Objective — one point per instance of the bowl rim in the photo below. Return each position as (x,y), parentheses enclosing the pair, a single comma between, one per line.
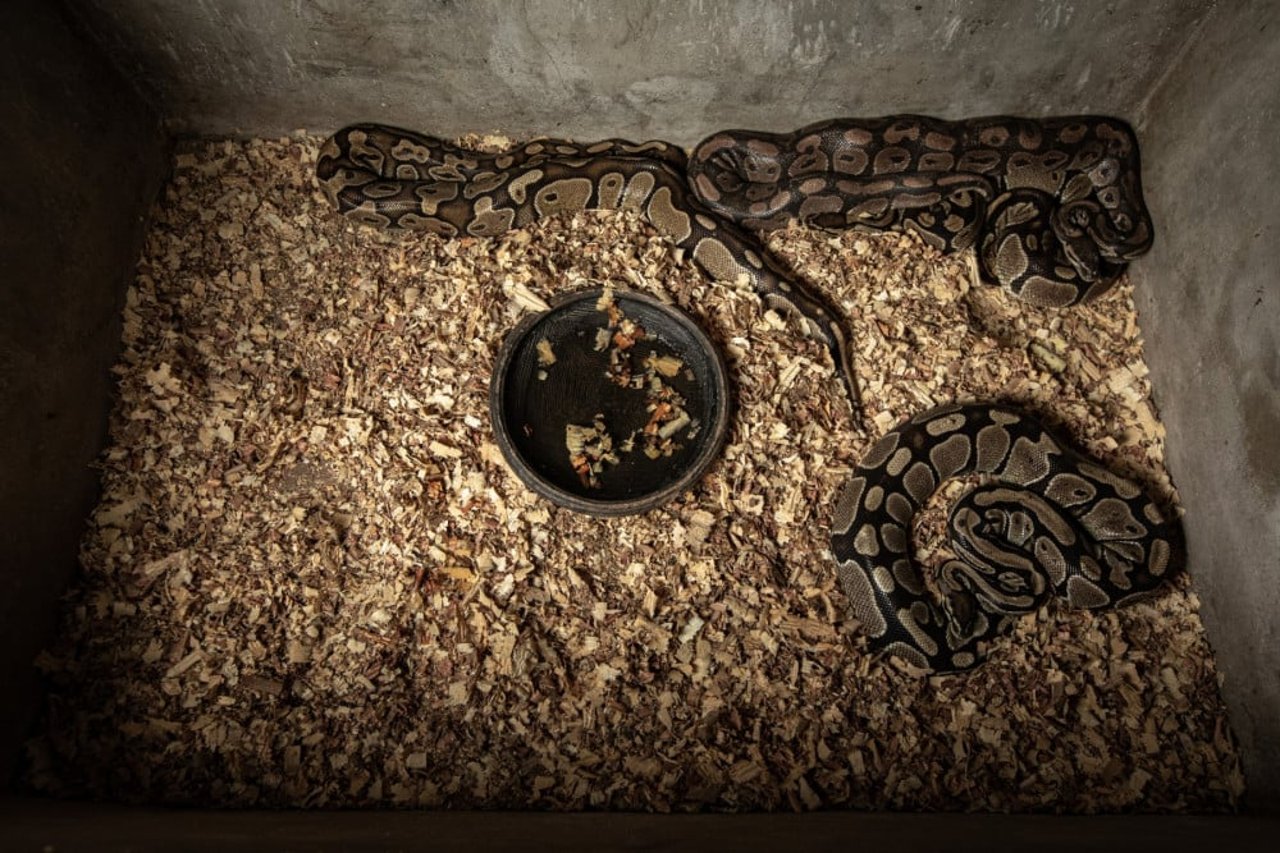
(716,430)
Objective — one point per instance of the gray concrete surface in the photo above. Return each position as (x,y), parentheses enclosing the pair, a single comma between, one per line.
(1209,302)
(82,160)
(673,69)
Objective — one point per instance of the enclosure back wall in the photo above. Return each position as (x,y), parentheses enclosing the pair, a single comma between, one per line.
(680,70)
(672,69)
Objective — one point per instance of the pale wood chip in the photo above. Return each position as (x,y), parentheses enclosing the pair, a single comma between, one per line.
(313,582)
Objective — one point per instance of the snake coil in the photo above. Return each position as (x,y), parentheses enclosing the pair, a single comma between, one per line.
(1054,206)
(1052,523)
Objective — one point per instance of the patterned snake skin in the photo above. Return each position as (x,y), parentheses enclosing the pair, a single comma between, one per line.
(1055,205)
(396,178)
(1052,523)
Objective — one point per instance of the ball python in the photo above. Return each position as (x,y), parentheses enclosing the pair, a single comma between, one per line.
(397,178)
(1049,522)
(1054,205)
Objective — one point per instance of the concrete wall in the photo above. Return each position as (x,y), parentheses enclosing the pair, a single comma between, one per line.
(1210,308)
(674,69)
(82,160)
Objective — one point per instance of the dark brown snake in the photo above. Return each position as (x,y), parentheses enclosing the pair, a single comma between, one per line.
(1053,522)
(1055,208)
(396,178)
(1054,205)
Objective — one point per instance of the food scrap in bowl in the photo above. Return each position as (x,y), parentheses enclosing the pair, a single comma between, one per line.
(591,447)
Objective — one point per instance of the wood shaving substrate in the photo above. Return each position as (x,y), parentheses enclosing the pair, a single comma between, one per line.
(312,581)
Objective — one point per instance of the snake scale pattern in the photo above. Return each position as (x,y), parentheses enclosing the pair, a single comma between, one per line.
(397,178)
(1051,522)
(1055,210)
(1055,206)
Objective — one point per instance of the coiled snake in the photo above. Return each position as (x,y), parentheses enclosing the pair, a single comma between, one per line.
(1054,523)
(1054,205)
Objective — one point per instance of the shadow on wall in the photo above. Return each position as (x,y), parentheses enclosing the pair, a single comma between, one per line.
(84,160)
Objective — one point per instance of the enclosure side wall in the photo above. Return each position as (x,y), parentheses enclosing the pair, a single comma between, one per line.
(83,157)
(672,69)
(1210,307)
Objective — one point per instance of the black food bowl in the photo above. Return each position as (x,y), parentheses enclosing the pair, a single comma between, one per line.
(610,403)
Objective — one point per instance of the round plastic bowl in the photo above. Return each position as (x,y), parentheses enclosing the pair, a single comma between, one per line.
(553,383)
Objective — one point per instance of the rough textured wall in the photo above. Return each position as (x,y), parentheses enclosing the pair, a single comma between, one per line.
(1209,298)
(83,159)
(674,69)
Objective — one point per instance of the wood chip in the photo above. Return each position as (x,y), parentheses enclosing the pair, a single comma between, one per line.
(312,582)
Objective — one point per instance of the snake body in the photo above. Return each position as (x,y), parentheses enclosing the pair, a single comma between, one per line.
(397,178)
(1054,205)
(1052,522)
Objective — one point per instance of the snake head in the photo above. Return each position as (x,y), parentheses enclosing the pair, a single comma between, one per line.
(1103,204)
(736,167)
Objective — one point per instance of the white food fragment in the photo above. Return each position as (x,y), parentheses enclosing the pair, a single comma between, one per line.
(672,427)
(546,355)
